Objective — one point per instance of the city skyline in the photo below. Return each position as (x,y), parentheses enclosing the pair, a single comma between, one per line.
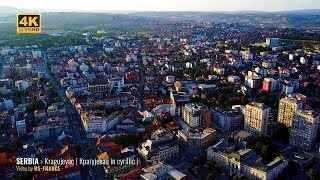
(164,5)
(139,89)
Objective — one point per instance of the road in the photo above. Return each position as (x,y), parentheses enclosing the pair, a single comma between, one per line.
(141,81)
(76,126)
(1,65)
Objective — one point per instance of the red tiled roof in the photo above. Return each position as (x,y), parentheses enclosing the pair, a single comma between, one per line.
(105,139)
(173,125)
(3,158)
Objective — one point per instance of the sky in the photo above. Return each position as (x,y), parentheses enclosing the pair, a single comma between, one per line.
(164,5)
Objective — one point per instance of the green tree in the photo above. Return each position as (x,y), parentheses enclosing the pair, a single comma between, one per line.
(14,145)
(266,149)
(210,176)
(282,134)
(99,107)
(78,149)
(130,139)
(35,105)
(90,150)
(167,118)
(2,148)
(196,170)
(200,80)
(43,80)
(57,99)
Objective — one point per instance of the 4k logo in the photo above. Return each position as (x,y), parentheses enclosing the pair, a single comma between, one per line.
(27,23)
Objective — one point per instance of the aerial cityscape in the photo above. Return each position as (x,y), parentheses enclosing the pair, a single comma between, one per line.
(198,91)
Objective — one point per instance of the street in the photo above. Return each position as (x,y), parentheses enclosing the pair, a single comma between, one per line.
(90,172)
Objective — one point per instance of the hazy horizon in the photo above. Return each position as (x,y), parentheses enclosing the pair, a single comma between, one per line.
(163,5)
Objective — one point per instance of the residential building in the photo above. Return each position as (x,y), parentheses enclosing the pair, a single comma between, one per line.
(6,103)
(303,60)
(158,152)
(96,122)
(147,116)
(299,96)
(116,170)
(21,127)
(22,85)
(256,117)
(38,114)
(170,79)
(227,118)
(219,70)
(272,42)
(234,79)
(304,129)
(246,55)
(196,114)
(116,83)
(132,76)
(291,57)
(84,67)
(103,87)
(262,72)
(287,107)
(162,108)
(161,146)
(190,65)
(56,109)
(290,87)
(46,131)
(179,99)
(36,54)
(269,64)
(195,138)
(42,74)
(270,84)
(253,82)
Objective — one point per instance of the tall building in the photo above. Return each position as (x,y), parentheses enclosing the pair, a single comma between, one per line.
(287,107)
(269,84)
(234,79)
(253,82)
(21,127)
(196,114)
(36,54)
(227,118)
(272,42)
(256,117)
(219,70)
(304,129)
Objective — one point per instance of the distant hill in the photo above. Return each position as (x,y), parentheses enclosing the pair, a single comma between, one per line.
(80,20)
(296,18)
(308,18)
(186,13)
(302,12)
(6,10)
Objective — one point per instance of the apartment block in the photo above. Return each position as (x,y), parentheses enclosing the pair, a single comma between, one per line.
(256,117)
(304,129)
